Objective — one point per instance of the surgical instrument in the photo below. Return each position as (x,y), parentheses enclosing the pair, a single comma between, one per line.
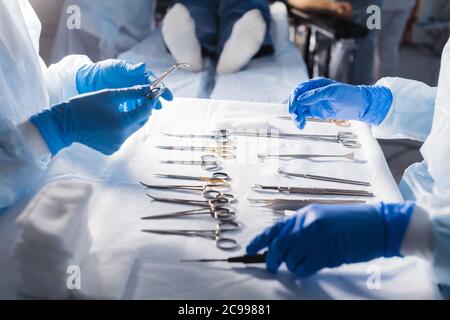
(207,162)
(220,213)
(217,177)
(315,191)
(258,259)
(340,123)
(211,203)
(223,151)
(295,204)
(221,137)
(323,178)
(209,193)
(157,87)
(222,243)
(208,187)
(347,139)
(289,157)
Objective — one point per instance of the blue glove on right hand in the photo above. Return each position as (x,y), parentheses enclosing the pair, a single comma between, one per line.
(326,236)
(327,99)
(102,120)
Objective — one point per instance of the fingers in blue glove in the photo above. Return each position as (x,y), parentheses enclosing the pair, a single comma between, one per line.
(304,88)
(280,247)
(265,239)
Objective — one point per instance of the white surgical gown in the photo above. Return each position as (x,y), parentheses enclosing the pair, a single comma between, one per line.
(26,87)
(422,113)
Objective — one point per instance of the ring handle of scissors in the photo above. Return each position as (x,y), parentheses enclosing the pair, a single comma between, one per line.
(211,163)
(218,183)
(353,144)
(224,215)
(225,153)
(226,244)
(221,175)
(156,92)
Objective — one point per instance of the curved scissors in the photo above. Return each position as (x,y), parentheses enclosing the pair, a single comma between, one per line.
(224,151)
(207,162)
(157,87)
(216,179)
(221,214)
(222,243)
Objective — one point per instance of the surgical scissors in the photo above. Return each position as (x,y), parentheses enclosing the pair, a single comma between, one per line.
(157,87)
(207,162)
(222,243)
(289,157)
(347,139)
(218,201)
(223,151)
(315,191)
(217,178)
(221,137)
(322,178)
(220,213)
(208,192)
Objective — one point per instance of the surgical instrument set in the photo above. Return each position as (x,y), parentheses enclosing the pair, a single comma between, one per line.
(289,157)
(258,259)
(222,151)
(207,162)
(157,87)
(315,191)
(323,178)
(216,235)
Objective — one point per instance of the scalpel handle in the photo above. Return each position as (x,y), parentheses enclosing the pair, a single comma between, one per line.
(260,258)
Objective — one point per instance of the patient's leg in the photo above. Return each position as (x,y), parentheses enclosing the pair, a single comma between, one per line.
(179,34)
(244,31)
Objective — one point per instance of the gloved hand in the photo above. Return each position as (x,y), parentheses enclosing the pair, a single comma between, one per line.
(327,99)
(114,74)
(102,120)
(326,236)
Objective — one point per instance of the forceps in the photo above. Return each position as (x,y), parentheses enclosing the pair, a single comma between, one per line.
(207,162)
(220,213)
(223,151)
(339,123)
(295,204)
(222,243)
(322,178)
(316,191)
(221,137)
(217,178)
(216,202)
(157,87)
(347,139)
(289,157)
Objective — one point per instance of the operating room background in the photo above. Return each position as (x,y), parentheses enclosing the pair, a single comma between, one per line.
(418,62)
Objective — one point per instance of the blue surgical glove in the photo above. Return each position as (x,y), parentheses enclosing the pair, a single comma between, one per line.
(102,120)
(114,74)
(327,236)
(327,99)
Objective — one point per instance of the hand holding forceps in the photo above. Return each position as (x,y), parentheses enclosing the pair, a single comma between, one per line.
(157,87)
(222,151)
(207,162)
(222,243)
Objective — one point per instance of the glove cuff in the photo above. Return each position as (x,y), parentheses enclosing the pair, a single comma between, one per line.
(83,79)
(51,129)
(379,101)
(396,218)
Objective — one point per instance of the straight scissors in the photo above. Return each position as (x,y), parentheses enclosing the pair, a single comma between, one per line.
(221,214)
(222,243)
(157,87)
(207,162)
(221,137)
(223,151)
(217,178)
(208,192)
(289,157)
(339,123)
